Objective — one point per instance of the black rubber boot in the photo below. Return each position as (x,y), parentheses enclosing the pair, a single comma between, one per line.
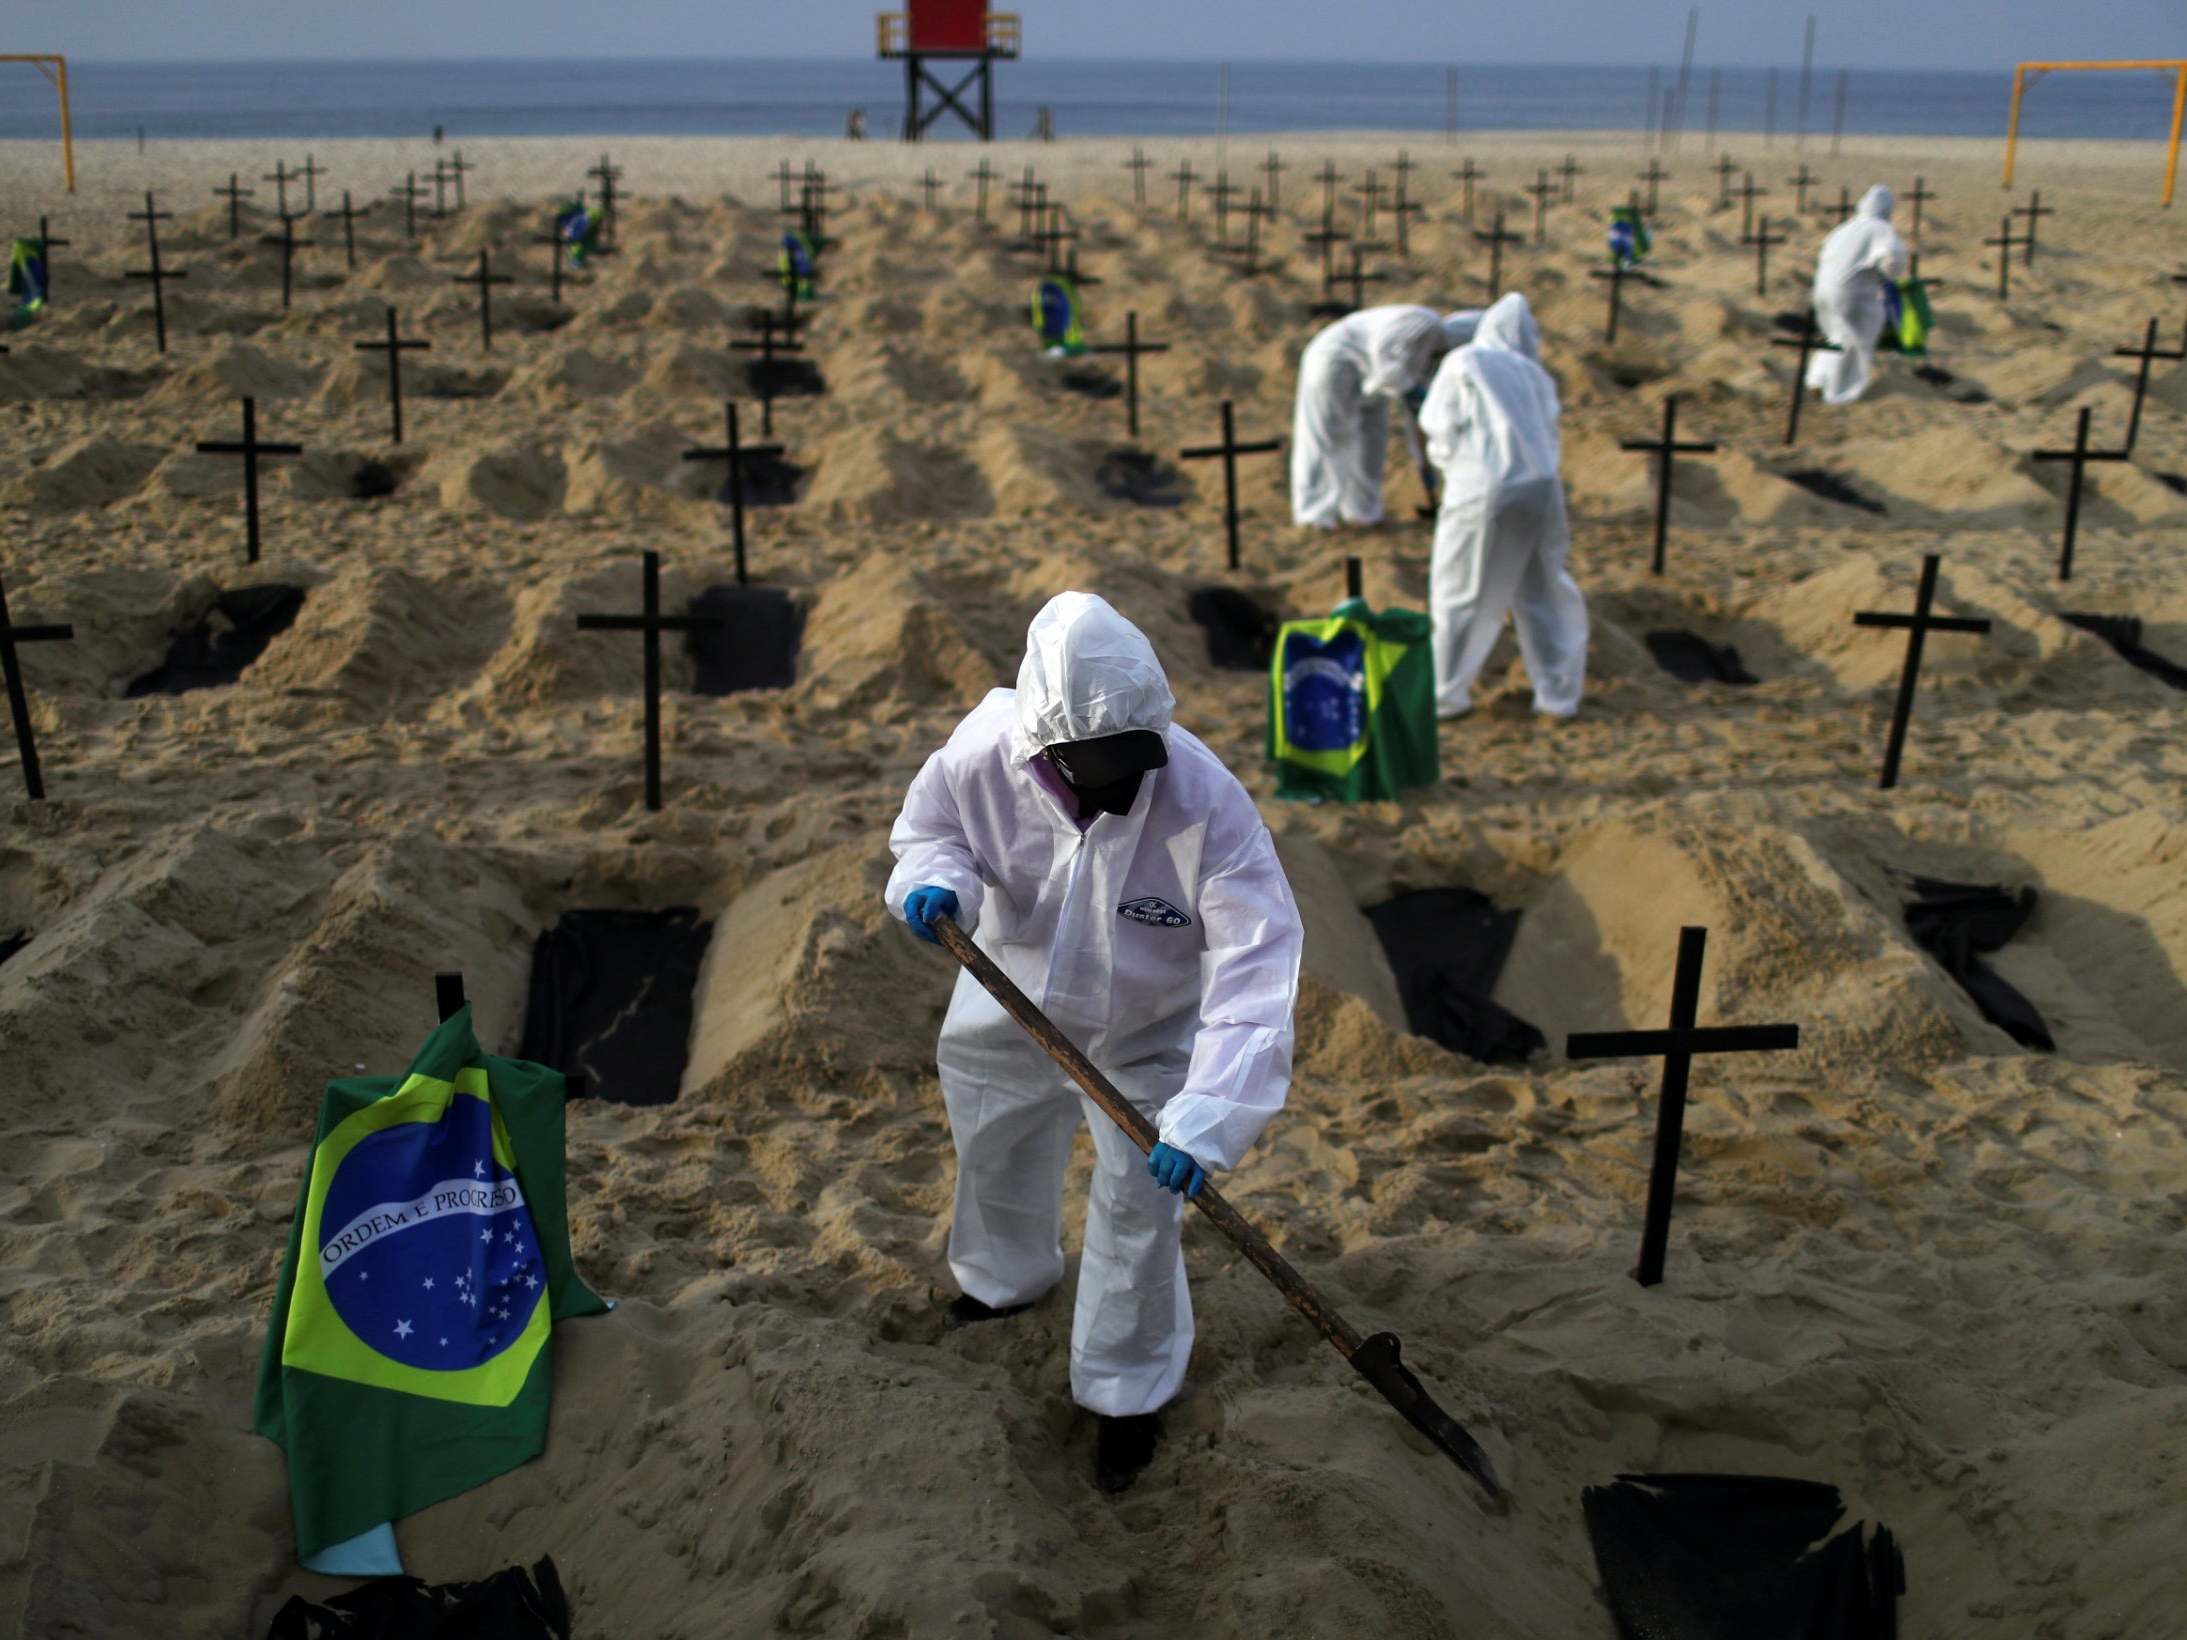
(1123,1447)
(965,1310)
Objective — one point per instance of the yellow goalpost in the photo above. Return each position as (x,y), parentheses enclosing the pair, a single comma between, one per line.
(55,69)
(2025,73)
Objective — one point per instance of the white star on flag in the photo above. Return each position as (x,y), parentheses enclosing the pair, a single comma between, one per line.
(509,1236)
(532,1282)
(428,1283)
(486,1235)
(444,1343)
(403,1329)
(478,1170)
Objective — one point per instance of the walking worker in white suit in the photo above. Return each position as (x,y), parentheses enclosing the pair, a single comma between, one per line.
(1119,874)
(1860,263)
(1501,534)
(1340,431)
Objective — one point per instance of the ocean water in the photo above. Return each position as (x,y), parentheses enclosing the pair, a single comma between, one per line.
(811,97)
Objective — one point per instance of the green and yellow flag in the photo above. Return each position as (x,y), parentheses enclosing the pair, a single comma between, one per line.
(1351,705)
(407,1359)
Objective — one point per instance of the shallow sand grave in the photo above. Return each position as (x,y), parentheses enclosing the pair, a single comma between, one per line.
(1910,1259)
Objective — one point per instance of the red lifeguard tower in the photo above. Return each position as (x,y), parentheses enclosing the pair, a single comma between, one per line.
(948,31)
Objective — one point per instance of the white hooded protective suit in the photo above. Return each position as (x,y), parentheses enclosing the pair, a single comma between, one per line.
(1501,534)
(1164,942)
(1340,432)
(1861,254)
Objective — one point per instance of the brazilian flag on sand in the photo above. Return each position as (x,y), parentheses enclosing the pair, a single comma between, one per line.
(1351,705)
(407,1360)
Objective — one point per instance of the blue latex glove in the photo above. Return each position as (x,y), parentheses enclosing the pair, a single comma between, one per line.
(1174,1170)
(923,905)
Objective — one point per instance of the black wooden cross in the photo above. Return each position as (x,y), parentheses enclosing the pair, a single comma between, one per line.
(1254,211)
(1651,176)
(1404,169)
(1054,232)
(408,194)
(1665,450)
(557,250)
(235,196)
(1184,178)
(2004,243)
(485,279)
(1229,450)
(1723,168)
(26,746)
(1761,239)
(785,176)
(1031,199)
(2080,456)
(1845,203)
(1137,166)
(288,242)
(1357,275)
(1617,273)
(1801,184)
(250,450)
(1328,176)
(279,177)
(1568,170)
(1496,239)
(1809,342)
(1676,1046)
(1272,168)
(1327,237)
(983,175)
(393,347)
(1917,627)
(456,167)
(1369,194)
(763,376)
(1749,193)
(442,176)
(159,276)
(1468,175)
(930,184)
(1542,189)
(349,215)
(311,171)
(2034,210)
(2147,353)
(1921,192)
(736,454)
(151,216)
(1402,211)
(1131,347)
(46,241)
(1072,271)
(652,623)
(1222,190)
(608,174)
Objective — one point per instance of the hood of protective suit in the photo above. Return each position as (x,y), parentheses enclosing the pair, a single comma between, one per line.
(1877,202)
(1088,672)
(1510,324)
(1459,328)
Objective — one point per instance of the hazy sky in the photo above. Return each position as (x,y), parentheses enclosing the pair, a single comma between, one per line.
(1970,34)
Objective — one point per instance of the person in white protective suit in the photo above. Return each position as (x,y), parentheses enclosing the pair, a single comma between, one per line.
(1340,432)
(1501,534)
(1112,867)
(1859,263)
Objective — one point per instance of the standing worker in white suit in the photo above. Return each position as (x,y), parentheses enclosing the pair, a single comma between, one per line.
(1860,265)
(1340,432)
(1501,534)
(1119,874)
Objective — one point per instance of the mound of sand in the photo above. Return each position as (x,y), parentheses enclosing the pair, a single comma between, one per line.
(873,475)
(692,372)
(642,475)
(1815,617)
(519,481)
(34,374)
(881,636)
(239,370)
(379,640)
(572,373)
(1952,469)
(90,471)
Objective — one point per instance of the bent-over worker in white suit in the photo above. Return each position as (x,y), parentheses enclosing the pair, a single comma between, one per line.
(1112,867)
(1501,534)
(1340,431)
(1862,257)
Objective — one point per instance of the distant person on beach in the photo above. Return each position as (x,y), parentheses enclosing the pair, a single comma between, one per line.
(1109,863)
(1340,431)
(1501,534)
(1856,280)
(438,133)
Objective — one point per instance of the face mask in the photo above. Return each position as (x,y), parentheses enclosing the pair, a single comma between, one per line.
(1114,798)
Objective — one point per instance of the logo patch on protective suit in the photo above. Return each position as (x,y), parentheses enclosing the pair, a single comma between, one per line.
(1155,913)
